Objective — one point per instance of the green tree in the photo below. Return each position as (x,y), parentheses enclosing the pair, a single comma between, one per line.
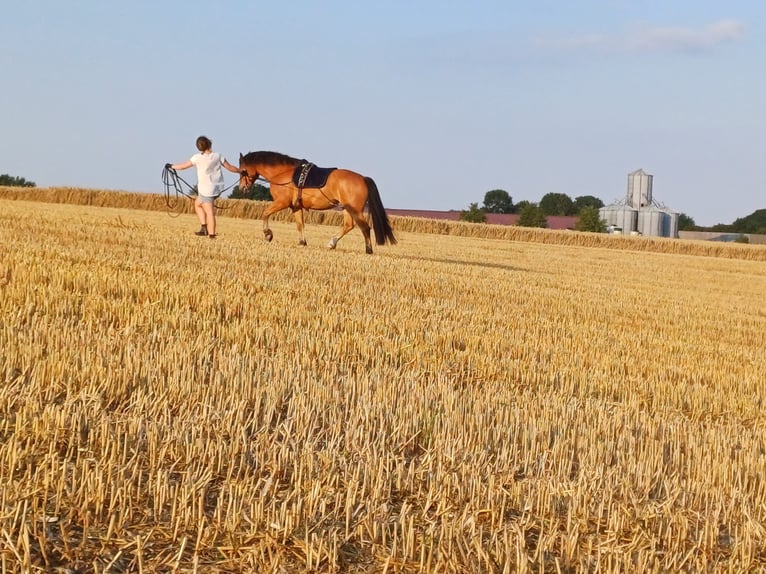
(497,201)
(12,181)
(557,204)
(590,220)
(753,223)
(474,214)
(257,192)
(583,201)
(686,223)
(521,205)
(532,215)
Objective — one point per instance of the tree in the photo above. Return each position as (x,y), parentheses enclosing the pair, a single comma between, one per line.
(753,223)
(557,204)
(256,192)
(590,220)
(583,201)
(497,201)
(521,205)
(11,181)
(474,214)
(532,216)
(686,223)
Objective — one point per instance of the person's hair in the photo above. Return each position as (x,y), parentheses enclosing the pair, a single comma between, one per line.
(204,143)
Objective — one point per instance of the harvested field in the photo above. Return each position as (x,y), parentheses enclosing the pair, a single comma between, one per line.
(450,404)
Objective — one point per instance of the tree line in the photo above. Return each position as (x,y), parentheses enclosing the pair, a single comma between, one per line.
(533,214)
(754,223)
(11,181)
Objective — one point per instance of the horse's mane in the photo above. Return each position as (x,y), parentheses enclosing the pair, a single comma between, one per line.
(269,158)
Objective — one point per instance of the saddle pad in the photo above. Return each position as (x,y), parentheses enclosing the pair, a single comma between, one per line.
(308,175)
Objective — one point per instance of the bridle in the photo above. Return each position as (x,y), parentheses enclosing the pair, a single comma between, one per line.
(251,179)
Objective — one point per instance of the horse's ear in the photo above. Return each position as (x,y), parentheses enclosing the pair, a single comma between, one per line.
(240,156)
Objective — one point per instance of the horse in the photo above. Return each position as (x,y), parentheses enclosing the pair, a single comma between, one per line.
(300,185)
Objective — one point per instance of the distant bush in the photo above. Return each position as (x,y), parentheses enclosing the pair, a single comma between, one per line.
(12,181)
(474,214)
(590,220)
(532,215)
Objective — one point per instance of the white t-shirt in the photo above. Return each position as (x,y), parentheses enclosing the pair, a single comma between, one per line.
(209,173)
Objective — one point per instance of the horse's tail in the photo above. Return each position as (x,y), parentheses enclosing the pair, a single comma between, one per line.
(383,231)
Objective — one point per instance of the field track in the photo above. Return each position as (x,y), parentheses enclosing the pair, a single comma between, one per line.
(453,403)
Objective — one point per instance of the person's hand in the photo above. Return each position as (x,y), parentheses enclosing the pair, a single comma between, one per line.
(168,166)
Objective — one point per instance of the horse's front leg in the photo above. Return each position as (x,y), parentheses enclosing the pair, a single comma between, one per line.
(273,208)
(298,214)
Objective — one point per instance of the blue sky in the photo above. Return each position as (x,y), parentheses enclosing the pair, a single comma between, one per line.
(438,101)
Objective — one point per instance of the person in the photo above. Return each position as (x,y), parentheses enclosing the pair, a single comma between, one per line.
(209,183)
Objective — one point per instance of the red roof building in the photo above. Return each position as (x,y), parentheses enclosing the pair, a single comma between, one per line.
(554,221)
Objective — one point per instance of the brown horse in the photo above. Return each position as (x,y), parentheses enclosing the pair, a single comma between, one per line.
(342,188)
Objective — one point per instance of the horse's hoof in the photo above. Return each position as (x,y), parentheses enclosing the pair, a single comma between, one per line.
(332,243)
(302,242)
(368,250)
(268,235)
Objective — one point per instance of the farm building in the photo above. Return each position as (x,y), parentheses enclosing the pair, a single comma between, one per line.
(639,213)
(553,221)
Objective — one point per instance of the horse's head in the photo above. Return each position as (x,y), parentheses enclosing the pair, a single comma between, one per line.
(247,174)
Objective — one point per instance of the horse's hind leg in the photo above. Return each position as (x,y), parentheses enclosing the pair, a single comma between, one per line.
(348,225)
(364,227)
(298,214)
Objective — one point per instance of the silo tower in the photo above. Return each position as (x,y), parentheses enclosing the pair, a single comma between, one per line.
(639,189)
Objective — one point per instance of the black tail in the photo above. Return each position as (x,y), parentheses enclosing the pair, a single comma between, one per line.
(380,223)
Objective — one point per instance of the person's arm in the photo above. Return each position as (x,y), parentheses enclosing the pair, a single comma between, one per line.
(230,167)
(184,165)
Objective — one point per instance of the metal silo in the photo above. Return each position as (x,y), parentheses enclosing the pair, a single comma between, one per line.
(651,221)
(639,189)
(608,215)
(620,216)
(628,219)
(672,224)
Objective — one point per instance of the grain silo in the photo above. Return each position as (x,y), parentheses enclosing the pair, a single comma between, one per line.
(672,230)
(651,221)
(639,212)
(639,189)
(619,216)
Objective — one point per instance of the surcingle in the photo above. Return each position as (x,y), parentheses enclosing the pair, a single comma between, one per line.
(306,174)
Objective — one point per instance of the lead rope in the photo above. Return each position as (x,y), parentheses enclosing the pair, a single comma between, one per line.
(172,181)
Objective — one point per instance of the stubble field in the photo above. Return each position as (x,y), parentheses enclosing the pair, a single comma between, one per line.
(449,404)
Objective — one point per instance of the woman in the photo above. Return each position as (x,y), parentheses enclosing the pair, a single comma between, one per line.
(209,183)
